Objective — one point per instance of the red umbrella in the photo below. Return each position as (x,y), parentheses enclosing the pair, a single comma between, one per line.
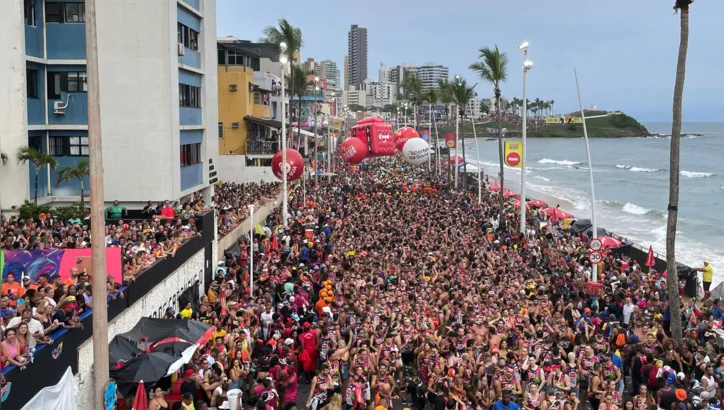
(650,260)
(495,187)
(556,213)
(516,203)
(537,203)
(141,400)
(456,159)
(609,242)
(509,194)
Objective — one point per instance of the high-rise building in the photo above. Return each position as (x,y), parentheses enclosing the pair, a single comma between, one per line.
(346,72)
(158,98)
(327,70)
(380,94)
(357,51)
(310,66)
(399,74)
(385,74)
(430,75)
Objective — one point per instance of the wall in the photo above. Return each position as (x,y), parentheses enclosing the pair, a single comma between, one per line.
(162,296)
(191,176)
(260,214)
(13,116)
(65,41)
(233,106)
(36,106)
(34,34)
(233,168)
(209,88)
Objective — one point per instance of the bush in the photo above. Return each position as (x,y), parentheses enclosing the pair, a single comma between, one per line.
(64,213)
(29,210)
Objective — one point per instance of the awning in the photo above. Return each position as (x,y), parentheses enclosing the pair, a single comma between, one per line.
(269,123)
(303,132)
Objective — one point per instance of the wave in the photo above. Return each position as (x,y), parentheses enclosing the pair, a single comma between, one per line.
(633,209)
(623,166)
(558,162)
(542,178)
(692,174)
(639,169)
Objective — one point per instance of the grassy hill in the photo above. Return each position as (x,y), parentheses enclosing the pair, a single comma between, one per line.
(612,126)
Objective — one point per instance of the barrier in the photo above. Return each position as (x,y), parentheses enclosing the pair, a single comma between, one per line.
(51,361)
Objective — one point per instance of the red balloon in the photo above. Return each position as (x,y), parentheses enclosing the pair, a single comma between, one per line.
(402,135)
(353,150)
(456,159)
(295,165)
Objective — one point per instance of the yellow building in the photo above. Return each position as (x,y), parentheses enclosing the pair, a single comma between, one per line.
(245,114)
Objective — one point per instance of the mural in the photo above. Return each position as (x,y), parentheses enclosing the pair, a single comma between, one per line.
(51,261)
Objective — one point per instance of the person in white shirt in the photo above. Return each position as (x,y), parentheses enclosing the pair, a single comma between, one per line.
(628,310)
(34,326)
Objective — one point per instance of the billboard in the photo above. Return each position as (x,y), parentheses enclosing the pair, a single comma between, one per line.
(568,119)
(51,261)
(513,154)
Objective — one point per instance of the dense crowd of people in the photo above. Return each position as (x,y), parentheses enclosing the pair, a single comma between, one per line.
(390,289)
(232,201)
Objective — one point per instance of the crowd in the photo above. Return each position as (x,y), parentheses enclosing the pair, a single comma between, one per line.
(232,201)
(391,290)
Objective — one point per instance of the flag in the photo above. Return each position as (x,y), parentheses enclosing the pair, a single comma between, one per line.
(650,261)
(141,400)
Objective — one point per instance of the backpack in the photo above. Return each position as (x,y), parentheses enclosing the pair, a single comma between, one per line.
(652,382)
(621,339)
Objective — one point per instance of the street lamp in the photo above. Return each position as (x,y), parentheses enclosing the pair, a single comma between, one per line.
(251,254)
(527,66)
(457,139)
(285,167)
(306,146)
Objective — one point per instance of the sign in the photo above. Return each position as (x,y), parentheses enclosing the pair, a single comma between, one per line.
(513,154)
(450,140)
(568,119)
(35,262)
(596,244)
(595,258)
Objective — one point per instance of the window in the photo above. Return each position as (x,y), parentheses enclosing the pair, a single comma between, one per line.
(29,7)
(189,96)
(35,143)
(65,13)
(257,97)
(68,146)
(31,78)
(221,130)
(188,37)
(70,81)
(190,154)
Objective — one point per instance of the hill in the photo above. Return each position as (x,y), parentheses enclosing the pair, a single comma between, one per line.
(616,125)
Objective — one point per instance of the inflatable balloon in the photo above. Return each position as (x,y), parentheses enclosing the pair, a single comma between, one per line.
(295,165)
(416,151)
(456,159)
(353,150)
(403,135)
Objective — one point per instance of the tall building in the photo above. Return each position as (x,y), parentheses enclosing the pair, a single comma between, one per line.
(346,72)
(430,74)
(327,70)
(310,66)
(385,74)
(380,93)
(357,51)
(158,97)
(399,74)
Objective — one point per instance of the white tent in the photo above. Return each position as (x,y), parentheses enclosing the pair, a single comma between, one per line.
(58,397)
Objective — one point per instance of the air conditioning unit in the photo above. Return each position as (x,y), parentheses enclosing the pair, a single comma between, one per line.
(233,87)
(234,125)
(181,50)
(60,106)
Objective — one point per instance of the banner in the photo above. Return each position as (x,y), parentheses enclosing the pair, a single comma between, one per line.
(568,119)
(51,261)
(450,140)
(513,154)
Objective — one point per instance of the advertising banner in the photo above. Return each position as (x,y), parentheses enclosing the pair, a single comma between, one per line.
(450,140)
(514,154)
(51,261)
(568,119)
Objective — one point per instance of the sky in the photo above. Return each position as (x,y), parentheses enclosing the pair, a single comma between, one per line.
(624,51)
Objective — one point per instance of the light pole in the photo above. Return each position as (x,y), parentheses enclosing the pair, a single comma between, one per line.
(251,254)
(285,198)
(527,66)
(457,141)
(405,109)
(314,162)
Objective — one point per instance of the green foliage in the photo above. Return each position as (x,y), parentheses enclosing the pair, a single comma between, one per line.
(355,107)
(64,213)
(624,121)
(31,210)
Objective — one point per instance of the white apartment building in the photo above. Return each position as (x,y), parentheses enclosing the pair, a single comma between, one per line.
(380,94)
(354,97)
(327,70)
(385,74)
(430,75)
(158,96)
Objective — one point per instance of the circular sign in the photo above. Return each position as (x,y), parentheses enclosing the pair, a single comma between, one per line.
(596,244)
(595,257)
(450,143)
(513,159)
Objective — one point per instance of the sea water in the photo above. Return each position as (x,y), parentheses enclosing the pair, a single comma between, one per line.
(631,177)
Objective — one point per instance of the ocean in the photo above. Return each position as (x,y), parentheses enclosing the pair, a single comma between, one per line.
(631,180)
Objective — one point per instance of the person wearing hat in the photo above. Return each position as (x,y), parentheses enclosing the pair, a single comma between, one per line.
(186,403)
(707,275)
(666,396)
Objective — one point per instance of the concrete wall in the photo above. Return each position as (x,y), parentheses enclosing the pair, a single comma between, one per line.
(164,295)
(233,106)
(232,168)
(13,116)
(260,214)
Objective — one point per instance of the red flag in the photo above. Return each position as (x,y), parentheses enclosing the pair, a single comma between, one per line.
(650,260)
(141,400)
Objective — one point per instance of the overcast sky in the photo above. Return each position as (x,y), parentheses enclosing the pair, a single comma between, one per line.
(624,51)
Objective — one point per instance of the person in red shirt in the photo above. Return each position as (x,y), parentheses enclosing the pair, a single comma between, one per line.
(308,357)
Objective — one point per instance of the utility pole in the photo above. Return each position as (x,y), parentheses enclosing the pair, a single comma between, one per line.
(98,223)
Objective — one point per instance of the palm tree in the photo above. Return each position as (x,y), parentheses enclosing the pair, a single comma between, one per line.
(298,83)
(682,7)
(461,95)
(493,68)
(4,157)
(292,37)
(79,171)
(412,87)
(39,160)
(446,98)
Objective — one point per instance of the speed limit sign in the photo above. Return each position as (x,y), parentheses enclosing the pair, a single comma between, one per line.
(596,244)
(595,257)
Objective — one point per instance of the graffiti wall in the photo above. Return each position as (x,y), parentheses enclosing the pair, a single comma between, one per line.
(51,261)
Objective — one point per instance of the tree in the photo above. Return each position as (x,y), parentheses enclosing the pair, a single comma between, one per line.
(672,283)
(298,83)
(355,107)
(4,157)
(39,160)
(492,66)
(445,97)
(79,171)
(461,95)
(292,37)
(412,87)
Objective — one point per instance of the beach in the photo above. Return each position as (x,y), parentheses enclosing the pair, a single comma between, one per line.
(631,180)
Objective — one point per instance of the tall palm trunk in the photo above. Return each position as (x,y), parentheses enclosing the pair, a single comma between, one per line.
(500,155)
(465,160)
(36,184)
(82,194)
(673,280)
(299,124)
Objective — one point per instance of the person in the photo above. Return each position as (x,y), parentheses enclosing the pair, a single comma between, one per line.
(186,403)
(157,401)
(115,211)
(505,403)
(707,275)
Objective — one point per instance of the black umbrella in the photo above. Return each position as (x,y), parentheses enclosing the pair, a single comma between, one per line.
(150,368)
(121,350)
(586,226)
(153,330)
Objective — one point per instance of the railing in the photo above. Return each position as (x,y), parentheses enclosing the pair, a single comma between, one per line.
(50,362)
(262,147)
